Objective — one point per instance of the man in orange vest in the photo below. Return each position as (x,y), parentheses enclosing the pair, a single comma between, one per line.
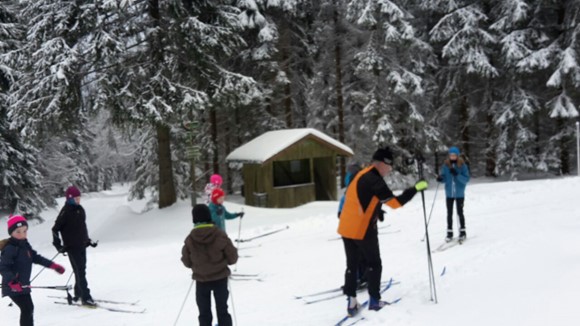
(358,225)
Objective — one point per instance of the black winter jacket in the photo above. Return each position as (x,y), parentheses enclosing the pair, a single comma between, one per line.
(16,264)
(71,223)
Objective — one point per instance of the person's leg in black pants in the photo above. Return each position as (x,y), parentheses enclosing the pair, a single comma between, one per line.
(370,249)
(78,261)
(24,302)
(203,299)
(352,252)
(221,294)
(449,204)
(460,202)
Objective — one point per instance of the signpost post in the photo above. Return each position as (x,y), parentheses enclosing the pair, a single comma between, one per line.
(192,153)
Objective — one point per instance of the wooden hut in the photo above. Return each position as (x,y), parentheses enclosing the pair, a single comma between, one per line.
(290,167)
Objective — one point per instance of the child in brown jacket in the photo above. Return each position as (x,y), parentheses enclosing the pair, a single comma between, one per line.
(208,251)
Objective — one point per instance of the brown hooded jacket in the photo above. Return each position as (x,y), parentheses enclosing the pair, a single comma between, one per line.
(208,251)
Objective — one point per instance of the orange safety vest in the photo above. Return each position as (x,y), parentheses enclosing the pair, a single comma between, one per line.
(354,222)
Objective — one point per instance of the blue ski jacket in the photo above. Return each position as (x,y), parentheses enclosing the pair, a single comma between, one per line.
(455,184)
(219,215)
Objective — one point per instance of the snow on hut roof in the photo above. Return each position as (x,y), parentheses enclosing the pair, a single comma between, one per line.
(264,147)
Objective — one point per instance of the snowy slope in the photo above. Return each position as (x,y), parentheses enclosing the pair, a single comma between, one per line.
(520,265)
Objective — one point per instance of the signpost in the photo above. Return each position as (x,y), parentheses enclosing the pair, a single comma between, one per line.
(192,153)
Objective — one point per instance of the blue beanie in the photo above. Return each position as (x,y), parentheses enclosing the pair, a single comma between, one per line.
(454,150)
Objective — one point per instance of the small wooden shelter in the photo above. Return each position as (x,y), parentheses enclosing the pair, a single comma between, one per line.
(290,167)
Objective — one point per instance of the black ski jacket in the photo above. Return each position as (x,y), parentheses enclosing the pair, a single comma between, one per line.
(71,223)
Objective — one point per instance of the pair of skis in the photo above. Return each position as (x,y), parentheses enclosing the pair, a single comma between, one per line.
(109,305)
(263,234)
(245,277)
(351,320)
(450,244)
(331,294)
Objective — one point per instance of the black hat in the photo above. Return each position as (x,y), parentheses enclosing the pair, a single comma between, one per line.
(201,214)
(384,155)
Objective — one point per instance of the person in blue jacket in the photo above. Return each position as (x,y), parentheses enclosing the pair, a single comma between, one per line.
(455,175)
(351,172)
(219,214)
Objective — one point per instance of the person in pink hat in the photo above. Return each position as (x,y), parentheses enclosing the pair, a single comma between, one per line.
(16,266)
(215,182)
(71,225)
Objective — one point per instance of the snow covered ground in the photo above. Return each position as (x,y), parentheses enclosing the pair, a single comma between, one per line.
(520,265)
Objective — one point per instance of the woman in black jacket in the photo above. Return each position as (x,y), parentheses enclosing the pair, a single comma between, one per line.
(71,224)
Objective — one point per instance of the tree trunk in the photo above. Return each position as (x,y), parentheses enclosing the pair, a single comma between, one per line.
(285,64)
(227,172)
(167,195)
(490,153)
(214,139)
(339,98)
(564,152)
(464,125)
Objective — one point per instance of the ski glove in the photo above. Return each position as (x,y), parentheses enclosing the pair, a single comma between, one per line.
(439,178)
(60,248)
(92,244)
(15,286)
(453,171)
(381,215)
(58,268)
(240,214)
(421,185)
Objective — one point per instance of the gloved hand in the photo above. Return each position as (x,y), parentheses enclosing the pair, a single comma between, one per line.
(15,286)
(439,178)
(92,244)
(59,247)
(421,185)
(58,268)
(240,214)
(453,171)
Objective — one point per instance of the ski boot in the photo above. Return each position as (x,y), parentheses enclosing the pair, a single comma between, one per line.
(89,303)
(462,236)
(449,236)
(376,304)
(352,307)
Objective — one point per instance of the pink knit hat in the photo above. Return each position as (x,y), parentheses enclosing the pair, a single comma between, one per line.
(16,221)
(216,179)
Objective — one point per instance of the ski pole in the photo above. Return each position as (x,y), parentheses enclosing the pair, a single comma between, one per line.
(432,288)
(43,268)
(183,304)
(50,287)
(54,287)
(239,237)
(233,305)
(432,205)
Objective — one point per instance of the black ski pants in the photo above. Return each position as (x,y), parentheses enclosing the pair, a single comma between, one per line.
(368,247)
(24,302)
(78,261)
(203,298)
(459,204)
